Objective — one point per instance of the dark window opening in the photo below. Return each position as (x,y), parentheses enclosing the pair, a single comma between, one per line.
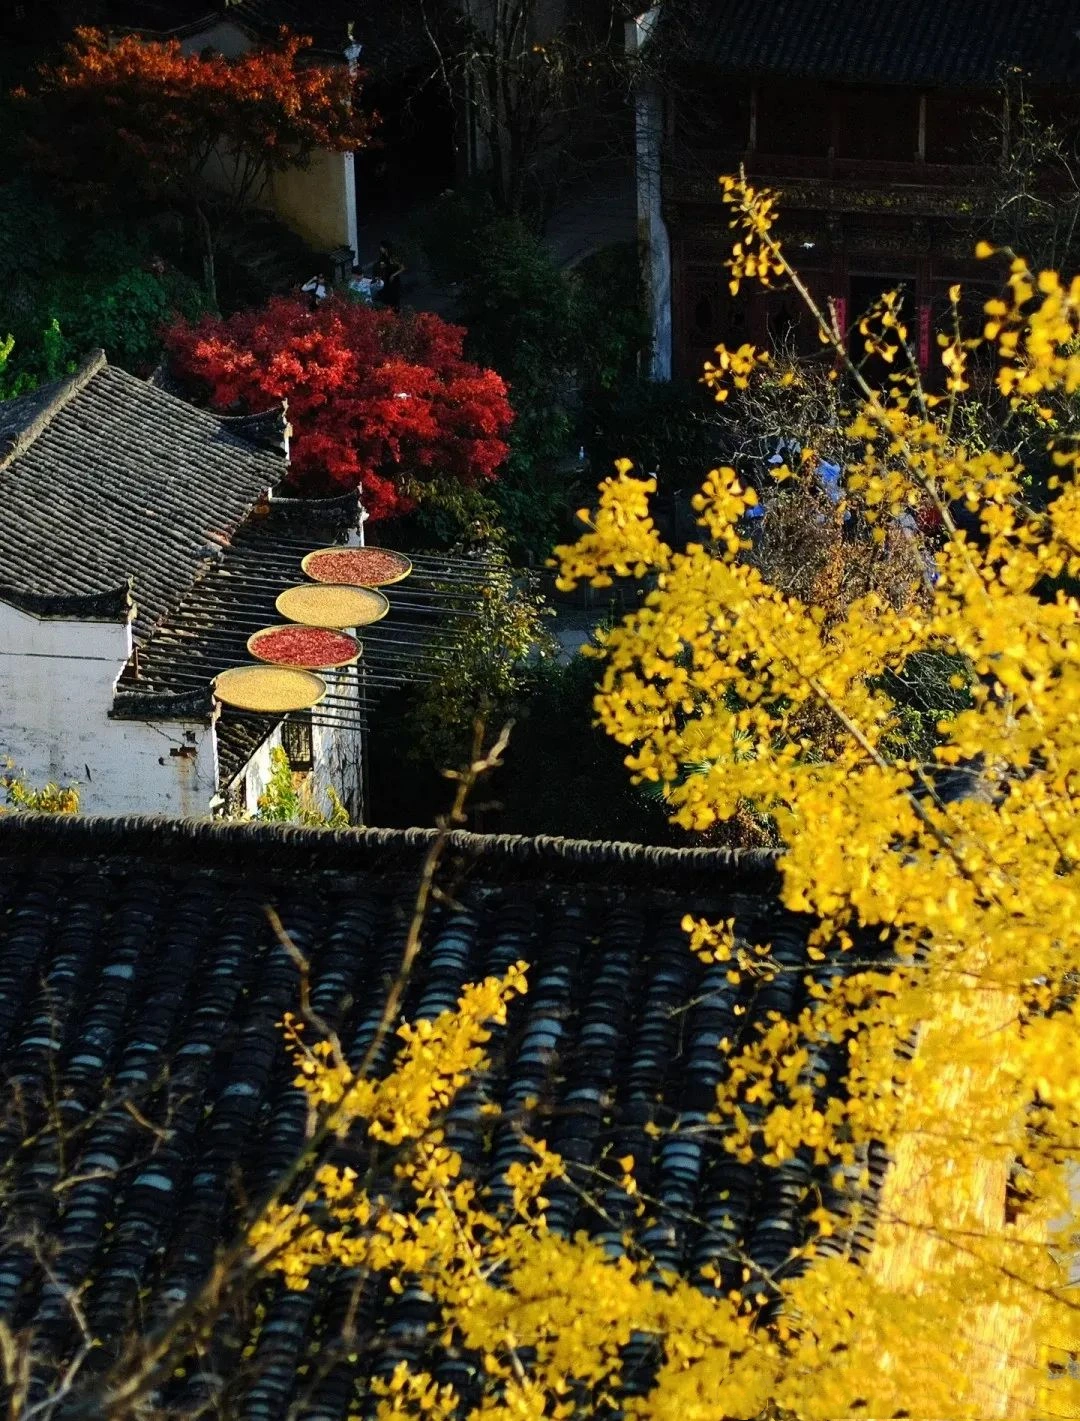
(1059,113)
(705,315)
(715,118)
(880,124)
(794,119)
(789,326)
(982,361)
(865,292)
(960,130)
(297,740)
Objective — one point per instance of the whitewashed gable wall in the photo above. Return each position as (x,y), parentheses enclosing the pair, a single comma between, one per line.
(57,681)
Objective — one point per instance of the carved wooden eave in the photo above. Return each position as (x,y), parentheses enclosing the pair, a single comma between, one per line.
(270,429)
(802,194)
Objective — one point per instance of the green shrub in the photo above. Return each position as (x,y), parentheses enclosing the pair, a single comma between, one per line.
(497,646)
(562,775)
(104,286)
(283,801)
(35,235)
(16,794)
(613,332)
(24,368)
(122,312)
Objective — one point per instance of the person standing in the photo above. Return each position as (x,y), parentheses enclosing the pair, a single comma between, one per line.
(389,269)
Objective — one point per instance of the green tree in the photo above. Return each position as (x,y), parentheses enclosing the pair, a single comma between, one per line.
(49,360)
(557,338)
(498,643)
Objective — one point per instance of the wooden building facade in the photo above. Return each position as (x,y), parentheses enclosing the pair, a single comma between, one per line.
(878,124)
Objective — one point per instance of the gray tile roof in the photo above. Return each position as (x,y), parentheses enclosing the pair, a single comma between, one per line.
(105,478)
(16,414)
(137,964)
(208,629)
(961,43)
(388,30)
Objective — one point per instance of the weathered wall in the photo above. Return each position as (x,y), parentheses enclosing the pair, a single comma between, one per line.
(56,688)
(338,756)
(255,775)
(317,201)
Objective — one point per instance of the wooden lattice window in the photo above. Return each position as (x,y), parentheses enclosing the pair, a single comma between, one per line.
(297,740)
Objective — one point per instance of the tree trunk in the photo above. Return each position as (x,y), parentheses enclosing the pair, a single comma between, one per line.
(209,271)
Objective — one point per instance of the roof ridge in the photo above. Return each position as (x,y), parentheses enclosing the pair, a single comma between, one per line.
(110,604)
(65,391)
(183,31)
(364,848)
(267,429)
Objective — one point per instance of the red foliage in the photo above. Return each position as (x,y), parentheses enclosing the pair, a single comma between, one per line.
(376,400)
(145,115)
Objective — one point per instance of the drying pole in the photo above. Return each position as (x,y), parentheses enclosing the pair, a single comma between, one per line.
(365,786)
(361,686)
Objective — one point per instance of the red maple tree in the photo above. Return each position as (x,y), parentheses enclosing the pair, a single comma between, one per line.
(142,117)
(377,400)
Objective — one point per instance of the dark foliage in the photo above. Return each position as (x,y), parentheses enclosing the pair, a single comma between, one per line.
(560,339)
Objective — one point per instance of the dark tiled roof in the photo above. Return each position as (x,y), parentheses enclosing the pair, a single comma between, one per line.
(327,23)
(106,478)
(159,15)
(387,29)
(958,43)
(136,962)
(16,414)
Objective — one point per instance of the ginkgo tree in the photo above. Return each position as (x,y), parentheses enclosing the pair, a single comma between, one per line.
(967,861)
(959,870)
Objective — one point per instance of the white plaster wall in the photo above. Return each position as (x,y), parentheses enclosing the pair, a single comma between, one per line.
(224,37)
(338,752)
(57,681)
(318,201)
(255,775)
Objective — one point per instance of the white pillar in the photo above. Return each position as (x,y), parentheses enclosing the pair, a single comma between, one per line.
(652,230)
(352,228)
